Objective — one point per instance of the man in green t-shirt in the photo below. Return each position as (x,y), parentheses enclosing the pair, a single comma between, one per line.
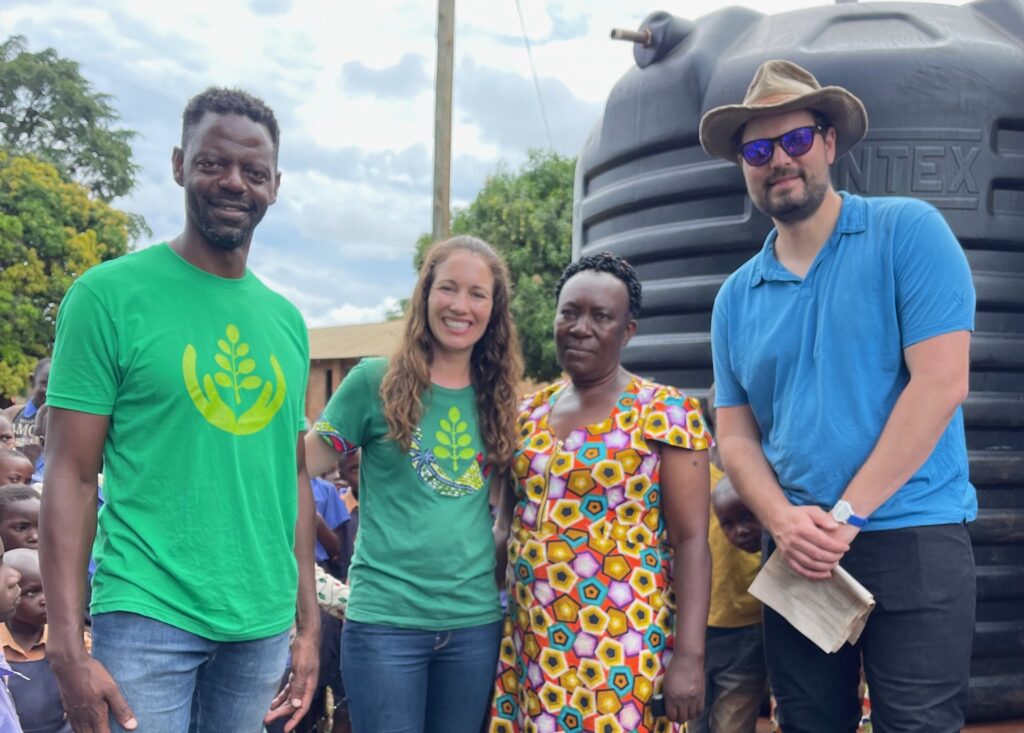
(183,377)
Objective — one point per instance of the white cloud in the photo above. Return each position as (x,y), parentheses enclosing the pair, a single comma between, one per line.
(360,221)
(348,314)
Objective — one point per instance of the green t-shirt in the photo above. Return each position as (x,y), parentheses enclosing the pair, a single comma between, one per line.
(424,555)
(204,380)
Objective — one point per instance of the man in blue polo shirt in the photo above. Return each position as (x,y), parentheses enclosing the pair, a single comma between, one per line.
(841,360)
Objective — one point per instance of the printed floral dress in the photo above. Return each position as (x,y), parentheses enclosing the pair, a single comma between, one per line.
(590,621)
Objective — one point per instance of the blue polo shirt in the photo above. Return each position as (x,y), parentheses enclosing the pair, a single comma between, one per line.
(819,360)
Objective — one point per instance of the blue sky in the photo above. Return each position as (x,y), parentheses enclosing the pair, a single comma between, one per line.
(352,86)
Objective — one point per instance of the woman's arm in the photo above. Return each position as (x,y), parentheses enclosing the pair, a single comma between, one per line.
(506,501)
(340,428)
(685,493)
(320,455)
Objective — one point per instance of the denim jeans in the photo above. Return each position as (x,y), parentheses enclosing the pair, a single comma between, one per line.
(175,681)
(414,681)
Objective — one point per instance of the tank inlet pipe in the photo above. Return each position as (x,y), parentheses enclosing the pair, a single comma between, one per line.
(642,36)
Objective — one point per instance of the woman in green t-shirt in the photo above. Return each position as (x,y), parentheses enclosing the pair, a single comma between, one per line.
(434,424)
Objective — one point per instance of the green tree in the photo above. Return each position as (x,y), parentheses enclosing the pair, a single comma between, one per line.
(527,216)
(51,231)
(49,110)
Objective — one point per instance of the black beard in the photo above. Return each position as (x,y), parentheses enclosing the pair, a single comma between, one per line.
(226,240)
(794,211)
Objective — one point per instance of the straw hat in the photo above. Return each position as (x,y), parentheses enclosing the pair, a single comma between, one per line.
(782,86)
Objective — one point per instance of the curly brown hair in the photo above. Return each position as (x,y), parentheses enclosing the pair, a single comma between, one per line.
(496,365)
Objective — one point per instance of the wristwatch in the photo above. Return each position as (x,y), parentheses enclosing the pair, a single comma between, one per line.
(842,512)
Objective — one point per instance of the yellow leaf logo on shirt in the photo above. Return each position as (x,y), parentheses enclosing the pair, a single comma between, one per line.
(221,396)
(453,439)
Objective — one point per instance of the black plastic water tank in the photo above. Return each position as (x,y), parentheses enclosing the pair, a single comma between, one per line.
(944,90)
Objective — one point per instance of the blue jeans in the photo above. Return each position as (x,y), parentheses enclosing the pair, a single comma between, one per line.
(413,681)
(175,681)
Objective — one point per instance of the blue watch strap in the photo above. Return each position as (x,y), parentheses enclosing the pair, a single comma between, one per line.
(856,521)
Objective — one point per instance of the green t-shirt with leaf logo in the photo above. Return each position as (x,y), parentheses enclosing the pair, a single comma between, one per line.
(204,380)
(424,555)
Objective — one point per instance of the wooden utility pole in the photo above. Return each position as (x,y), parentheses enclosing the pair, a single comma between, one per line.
(443,117)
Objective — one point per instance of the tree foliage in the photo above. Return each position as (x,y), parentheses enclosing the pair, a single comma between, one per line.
(51,231)
(527,216)
(49,110)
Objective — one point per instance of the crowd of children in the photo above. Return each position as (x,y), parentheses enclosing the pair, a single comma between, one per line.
(30,681)
(30,700)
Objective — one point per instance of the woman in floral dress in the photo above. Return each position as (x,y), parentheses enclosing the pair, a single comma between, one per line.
(611,496)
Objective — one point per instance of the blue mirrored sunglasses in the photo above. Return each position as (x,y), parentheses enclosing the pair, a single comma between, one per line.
(795,142)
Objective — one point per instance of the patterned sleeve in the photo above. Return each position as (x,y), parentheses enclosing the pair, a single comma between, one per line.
(329,433)
(528,411)
(672,418)
(345,420)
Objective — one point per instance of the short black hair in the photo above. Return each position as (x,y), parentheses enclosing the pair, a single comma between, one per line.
(16,492)
(221,101)
(613,265)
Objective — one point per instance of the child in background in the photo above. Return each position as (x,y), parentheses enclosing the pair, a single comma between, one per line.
(331,509)
(15,467)
(348,472)
(23,416)
(33,686)
(332,597)
(735,678)
(348,475)
(345,477)
(19,516)
(6,431)
(40,432)
(10,595)
(335,515)
(331,517)
(738,523)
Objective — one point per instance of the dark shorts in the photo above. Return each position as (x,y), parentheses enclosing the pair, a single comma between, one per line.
(916,647)
(735,681)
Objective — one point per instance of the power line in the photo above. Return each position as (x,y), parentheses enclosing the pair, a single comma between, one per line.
(533,70)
